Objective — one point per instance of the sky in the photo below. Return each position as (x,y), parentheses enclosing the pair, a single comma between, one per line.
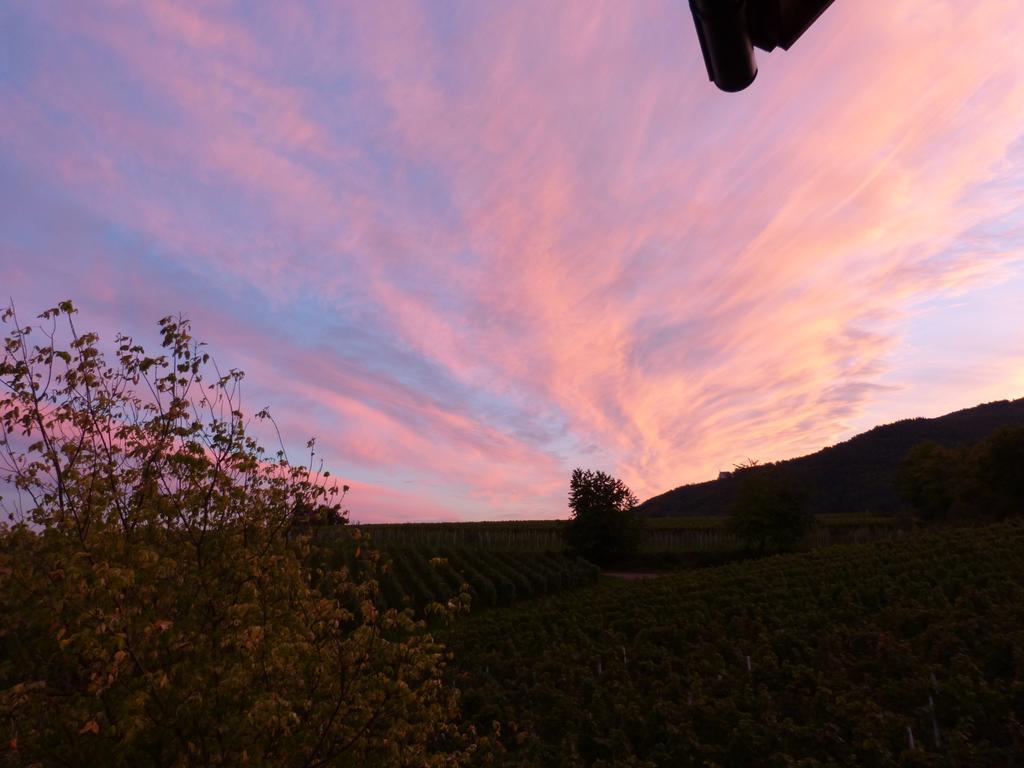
(471,245)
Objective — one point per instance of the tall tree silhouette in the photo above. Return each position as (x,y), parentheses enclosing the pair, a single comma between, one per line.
(604,527)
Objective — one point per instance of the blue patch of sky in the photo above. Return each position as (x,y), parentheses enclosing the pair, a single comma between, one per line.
(80,58)
(18,198)
(450,24)
(998,236)
(21,39)
(352,335)
(985,319)
(351,331)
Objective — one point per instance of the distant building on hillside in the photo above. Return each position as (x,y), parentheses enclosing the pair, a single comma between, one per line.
(722,474)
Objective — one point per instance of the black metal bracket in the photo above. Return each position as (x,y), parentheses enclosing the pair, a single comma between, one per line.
(729,30)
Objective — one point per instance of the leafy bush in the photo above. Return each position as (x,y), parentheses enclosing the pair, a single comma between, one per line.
(158,603)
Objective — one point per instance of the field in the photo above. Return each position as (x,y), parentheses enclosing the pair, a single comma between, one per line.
(665,534)
(415,576)
(504,562)
(906,652)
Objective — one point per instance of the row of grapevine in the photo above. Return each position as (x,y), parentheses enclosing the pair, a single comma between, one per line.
(660,535)
(417,576)
(427,575)
(717,538)
(528,535)
(907,652)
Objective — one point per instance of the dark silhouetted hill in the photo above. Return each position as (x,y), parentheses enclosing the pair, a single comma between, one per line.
(855,476)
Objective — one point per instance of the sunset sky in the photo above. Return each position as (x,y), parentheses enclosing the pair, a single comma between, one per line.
(473,244)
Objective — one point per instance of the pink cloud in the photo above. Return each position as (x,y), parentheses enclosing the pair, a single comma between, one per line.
(862,198)
(550,208)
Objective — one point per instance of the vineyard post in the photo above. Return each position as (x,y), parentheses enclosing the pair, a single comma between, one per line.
(910,737)
(748,665)
(935,723)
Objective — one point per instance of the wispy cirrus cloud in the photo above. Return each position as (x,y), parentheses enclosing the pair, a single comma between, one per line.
(472,247)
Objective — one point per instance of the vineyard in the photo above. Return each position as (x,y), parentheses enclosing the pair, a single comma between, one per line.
(906,652)
(666,534)
(412,576)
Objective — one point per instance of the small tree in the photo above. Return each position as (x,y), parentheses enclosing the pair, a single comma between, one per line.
(981,481)
(998,465)
(933,480)
(604,527)
(157,600)
(769,515)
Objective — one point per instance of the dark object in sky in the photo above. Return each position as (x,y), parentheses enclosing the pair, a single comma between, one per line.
(728,30)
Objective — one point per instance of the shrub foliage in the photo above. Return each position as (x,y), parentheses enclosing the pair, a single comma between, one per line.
(157,599)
